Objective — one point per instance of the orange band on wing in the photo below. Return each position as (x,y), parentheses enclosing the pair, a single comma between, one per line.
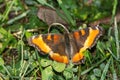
(38,41)
(59,58)
(90,39)
(56,39)
(77,57)
(83,32)
(49,37)
(76,34)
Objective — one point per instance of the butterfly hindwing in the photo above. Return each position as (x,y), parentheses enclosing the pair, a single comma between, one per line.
(83,39)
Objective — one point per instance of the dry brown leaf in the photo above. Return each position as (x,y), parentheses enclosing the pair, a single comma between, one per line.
(49,16)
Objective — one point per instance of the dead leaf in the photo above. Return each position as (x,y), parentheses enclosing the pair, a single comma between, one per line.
(49,15)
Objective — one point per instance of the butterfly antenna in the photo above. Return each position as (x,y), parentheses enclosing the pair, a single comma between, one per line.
(58,24)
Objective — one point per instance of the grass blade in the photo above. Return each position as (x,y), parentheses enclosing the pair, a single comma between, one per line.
(113,71)
(8,10)
(43,2)
(67,13)
(112,53)
(114,10)
(5,68)
(106,69)
(18,17)
(116,38)
(86,71)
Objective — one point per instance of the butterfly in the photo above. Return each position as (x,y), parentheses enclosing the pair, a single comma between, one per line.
(67,47)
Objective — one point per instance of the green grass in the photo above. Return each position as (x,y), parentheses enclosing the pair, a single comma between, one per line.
(19,21)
